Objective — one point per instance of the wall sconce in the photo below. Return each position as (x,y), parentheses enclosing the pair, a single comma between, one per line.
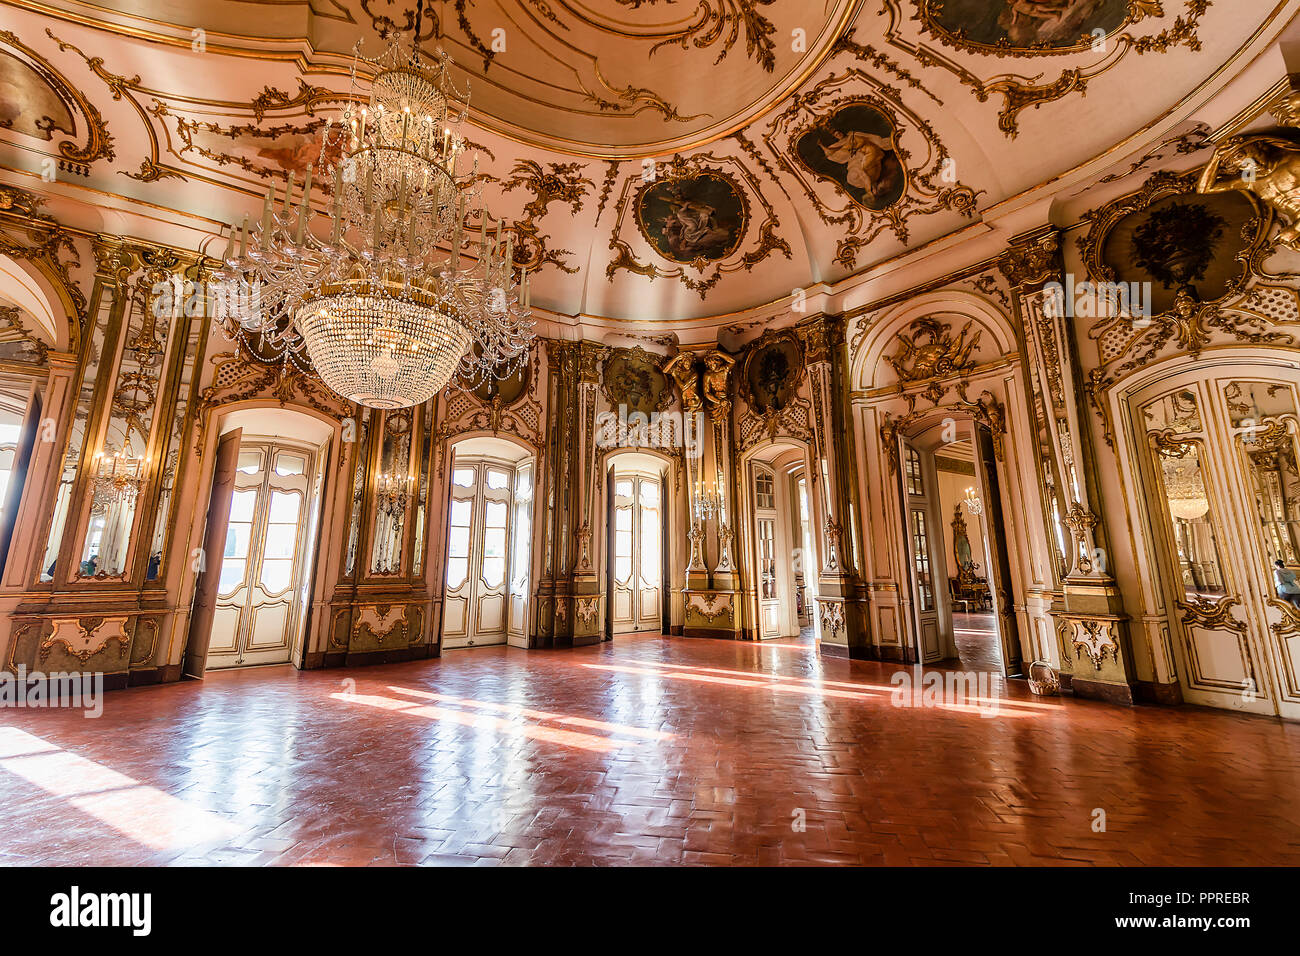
(973,503)
(116,480)
(392,492)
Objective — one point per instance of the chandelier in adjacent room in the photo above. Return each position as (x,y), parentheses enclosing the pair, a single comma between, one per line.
(379,300)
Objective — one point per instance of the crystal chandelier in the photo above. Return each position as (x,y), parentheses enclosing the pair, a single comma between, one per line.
(116,480)
(380,302)
(973,503)
(392,492)
(1185,489)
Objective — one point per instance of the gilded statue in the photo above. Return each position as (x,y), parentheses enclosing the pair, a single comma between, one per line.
(1266,165)
(717,366)
(682,369)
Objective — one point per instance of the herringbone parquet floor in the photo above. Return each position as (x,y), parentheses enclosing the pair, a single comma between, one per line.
(646,750)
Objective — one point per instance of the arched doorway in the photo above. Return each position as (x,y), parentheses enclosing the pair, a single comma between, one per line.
(489,543)
(777,538)
(636,569)
(258,556)
(958,570)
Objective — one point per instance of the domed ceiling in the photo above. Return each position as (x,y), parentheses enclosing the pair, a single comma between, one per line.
(664,162)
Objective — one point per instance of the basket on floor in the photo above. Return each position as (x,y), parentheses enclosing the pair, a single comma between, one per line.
(1043,680)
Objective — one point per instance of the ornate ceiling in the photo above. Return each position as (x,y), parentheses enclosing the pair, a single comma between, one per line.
(666,162)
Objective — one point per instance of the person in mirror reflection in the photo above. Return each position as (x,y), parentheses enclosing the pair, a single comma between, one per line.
(1288,589)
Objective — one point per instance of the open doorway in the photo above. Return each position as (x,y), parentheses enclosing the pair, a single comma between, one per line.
(778,545)
(635,533)
(958,569)
(251,599)
(489,544)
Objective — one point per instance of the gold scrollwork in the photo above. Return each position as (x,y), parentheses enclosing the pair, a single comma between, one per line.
(1213,615)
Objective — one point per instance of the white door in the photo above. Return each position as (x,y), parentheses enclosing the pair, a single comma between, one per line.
(257,607)
(1219,453)
(521,551)
(638,558)
(477,589)
(921,530)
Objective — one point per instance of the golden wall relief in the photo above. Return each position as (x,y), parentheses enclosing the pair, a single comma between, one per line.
(633,379)
(1177,272)
(770,380)
(498,406)
(28,234)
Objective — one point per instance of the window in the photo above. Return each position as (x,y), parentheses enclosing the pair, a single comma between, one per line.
(287,464)
(462,516)
(912,471)
(281,541)
(764,490)
(239,534)
(767,558)
(921,559)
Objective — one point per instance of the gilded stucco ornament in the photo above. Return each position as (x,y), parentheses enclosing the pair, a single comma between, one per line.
(929,350)
(1240,304)
(1094,38)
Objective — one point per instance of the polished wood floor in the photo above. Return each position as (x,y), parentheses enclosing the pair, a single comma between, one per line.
(646,750)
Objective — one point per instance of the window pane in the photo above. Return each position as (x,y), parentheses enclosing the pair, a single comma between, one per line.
(494,571)
(237,536)
(522,541)
(250,461)
(623,519)
(281,541)
(623,487)
(650,546)
(649,492)
(277,575)
(287,463)
(458,546)
(497,514)
(242,504)
(523,483)
(461,513)
(623,568)
(463,477)
(497,479)
(232,575)
(494,543)
(457,569)
(284,507)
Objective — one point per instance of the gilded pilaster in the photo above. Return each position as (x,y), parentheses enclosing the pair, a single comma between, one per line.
(841,597)
(1090,621)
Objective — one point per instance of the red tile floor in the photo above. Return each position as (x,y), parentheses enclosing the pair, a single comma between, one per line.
(646,750)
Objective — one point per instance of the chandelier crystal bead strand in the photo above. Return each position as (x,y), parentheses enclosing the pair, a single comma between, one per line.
(380,302)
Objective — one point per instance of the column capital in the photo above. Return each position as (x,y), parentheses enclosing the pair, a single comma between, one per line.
(1033,258)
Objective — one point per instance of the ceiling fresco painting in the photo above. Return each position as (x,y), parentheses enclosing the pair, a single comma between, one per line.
(650,156)
(1027,25)
(695,218)
(855,148)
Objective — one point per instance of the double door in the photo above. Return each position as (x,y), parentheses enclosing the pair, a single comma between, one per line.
(260,586)
(1218,453)
(636,548)
(479,522)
